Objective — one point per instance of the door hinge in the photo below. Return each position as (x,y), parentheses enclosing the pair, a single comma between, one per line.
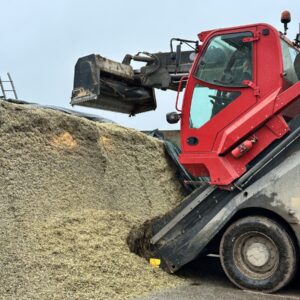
(253,86)
(253,38)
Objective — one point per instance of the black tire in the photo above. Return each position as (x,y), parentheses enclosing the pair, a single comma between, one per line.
(257,253)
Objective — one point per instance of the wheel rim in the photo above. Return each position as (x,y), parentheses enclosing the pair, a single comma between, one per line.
(256,255)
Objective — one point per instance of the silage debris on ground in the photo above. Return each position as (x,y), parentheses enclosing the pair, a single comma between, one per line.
(71,190)
(87,258)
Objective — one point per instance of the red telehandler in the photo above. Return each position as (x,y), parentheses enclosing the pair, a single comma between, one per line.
(240,131)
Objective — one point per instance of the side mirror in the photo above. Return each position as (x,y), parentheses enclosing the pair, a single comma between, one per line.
(173,117)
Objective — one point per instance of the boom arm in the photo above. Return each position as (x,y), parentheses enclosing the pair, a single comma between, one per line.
(105,84)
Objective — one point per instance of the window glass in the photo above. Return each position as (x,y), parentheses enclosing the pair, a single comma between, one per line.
(227,60)
(289,56)
(206,103)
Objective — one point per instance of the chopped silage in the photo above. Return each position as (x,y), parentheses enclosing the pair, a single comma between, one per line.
(71,190)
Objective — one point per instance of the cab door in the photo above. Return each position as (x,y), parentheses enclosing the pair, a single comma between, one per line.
(218,91)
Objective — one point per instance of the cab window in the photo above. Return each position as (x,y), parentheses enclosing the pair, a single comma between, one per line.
(289,57)
(227,60)
(206,103)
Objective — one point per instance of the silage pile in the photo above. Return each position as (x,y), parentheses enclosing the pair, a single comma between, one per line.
(70,191)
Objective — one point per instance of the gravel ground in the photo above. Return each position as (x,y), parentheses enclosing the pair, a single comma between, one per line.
(70,190)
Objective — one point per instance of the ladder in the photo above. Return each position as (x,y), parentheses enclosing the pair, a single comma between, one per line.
(4,90)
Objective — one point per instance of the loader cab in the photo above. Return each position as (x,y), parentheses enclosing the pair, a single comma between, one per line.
(235,70)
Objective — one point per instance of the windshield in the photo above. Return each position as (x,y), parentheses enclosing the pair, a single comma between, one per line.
(227,60)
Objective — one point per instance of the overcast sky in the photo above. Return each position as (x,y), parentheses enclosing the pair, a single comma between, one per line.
(42,40)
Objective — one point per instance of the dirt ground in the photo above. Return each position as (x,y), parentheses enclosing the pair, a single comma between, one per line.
(206,280)
(71,190)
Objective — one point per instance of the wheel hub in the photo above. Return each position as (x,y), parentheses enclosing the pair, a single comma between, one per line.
(257,254)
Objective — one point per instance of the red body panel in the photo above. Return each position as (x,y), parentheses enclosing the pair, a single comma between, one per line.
(257,111)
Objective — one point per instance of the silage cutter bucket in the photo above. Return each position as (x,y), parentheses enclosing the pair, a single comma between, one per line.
(105,84)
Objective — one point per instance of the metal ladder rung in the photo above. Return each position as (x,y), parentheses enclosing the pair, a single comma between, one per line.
(4,90)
